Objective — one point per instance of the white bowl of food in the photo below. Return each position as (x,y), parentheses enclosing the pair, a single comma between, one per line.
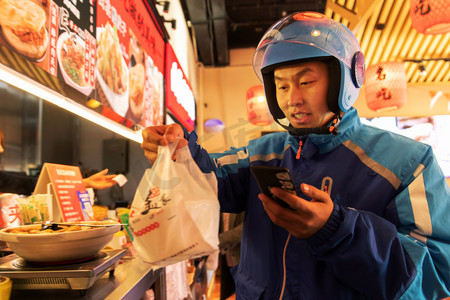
(71,59)
(71,243)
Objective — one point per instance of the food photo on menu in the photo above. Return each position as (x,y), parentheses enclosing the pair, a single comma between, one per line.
(24,27)
(75,43)
(71,60)
(137,78)
(158,109)
(111,71)
(146,83)
(156,105)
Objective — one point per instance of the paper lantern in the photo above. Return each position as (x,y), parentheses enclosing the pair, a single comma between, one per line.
(430,16)
(257,110)
(386,86)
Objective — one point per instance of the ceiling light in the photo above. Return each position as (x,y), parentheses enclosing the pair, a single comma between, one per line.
(214,125)
(422,70)
(435,98)
(380,26)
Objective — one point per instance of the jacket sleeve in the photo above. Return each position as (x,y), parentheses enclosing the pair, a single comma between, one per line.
(424,208)
(411,261)
(232,171)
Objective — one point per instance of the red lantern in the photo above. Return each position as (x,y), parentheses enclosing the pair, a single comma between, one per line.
(386,86)
(257,110)
(430,16)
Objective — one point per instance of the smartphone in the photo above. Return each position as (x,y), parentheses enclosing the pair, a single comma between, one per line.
(268,177)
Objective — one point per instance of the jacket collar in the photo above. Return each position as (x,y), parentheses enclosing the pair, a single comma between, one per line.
(323,143)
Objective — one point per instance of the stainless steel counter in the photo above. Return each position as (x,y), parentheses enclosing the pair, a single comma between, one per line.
(130,281)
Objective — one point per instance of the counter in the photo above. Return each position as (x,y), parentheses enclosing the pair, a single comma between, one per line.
(130,281)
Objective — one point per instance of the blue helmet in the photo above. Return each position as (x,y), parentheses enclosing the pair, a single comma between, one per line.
(311,36)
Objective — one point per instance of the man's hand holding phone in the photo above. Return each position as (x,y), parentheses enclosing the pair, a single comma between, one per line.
(268,177)
(301,217)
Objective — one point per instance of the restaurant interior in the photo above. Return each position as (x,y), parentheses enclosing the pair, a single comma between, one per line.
(211,42)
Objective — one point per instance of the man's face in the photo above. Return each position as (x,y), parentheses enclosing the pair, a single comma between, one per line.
(301,92)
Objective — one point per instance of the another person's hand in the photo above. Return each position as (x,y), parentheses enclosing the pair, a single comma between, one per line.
(155,136)
(99,180)
(307,218)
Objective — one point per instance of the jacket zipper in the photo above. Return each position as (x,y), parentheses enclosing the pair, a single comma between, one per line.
(299,152)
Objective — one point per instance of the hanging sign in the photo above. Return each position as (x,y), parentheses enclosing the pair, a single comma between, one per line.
(65,183)
(179,96)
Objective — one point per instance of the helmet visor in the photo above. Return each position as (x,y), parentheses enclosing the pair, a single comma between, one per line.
(315,35)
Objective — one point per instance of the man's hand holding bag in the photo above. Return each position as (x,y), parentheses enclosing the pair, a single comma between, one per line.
(175,211)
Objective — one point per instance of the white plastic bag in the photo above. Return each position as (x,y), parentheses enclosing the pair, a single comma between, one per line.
(175,211)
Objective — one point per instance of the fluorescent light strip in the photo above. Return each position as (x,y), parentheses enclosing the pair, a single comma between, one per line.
(435,98)
(22,82)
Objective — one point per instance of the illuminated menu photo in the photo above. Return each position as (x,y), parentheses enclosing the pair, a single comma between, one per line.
(75,45)
(29,29)
(130,59)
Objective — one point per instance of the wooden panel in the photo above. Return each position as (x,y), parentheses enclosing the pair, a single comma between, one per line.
(397,41)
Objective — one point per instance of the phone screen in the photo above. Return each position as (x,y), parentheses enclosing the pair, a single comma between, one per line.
(268,177)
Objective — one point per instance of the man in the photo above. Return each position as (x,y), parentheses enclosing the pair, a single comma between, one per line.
(20,184)
(371,218)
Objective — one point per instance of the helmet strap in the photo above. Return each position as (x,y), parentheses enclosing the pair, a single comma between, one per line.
(334,124)
(331,128)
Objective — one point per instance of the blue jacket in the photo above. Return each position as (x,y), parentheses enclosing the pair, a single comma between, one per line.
(388,236)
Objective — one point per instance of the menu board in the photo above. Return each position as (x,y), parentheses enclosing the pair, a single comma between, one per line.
(27,28)
(107,50)
(130,60)
(66,186)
